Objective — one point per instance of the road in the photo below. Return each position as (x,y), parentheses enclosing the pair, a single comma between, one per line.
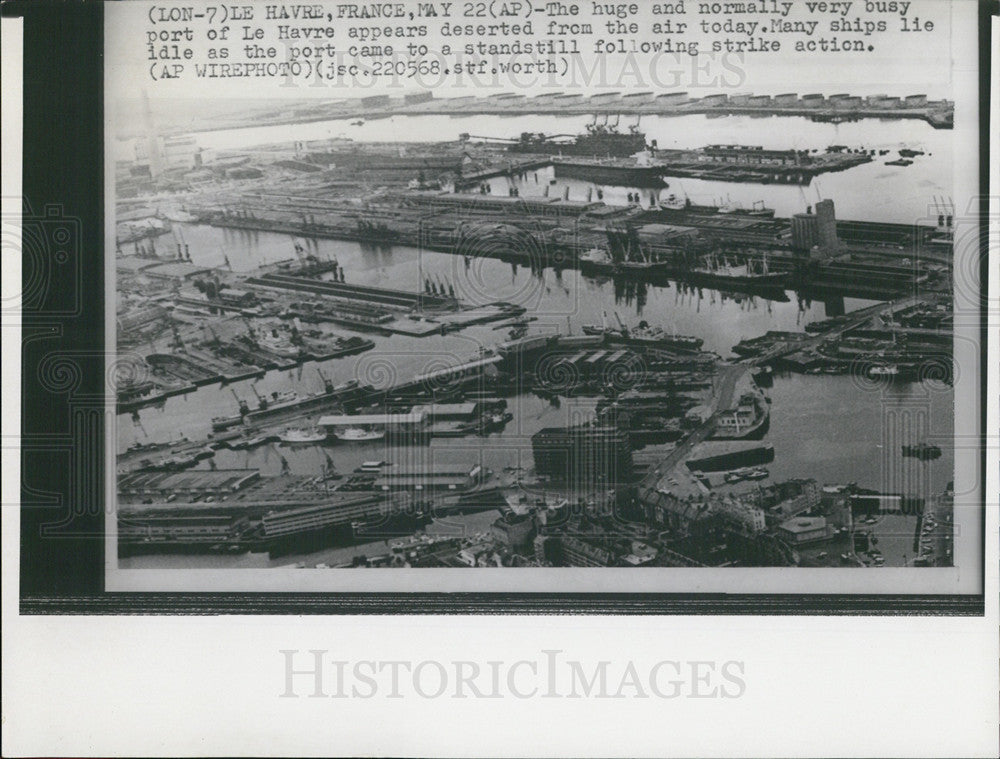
(722,399)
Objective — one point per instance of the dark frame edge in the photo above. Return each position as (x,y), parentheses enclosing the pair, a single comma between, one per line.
(646,604)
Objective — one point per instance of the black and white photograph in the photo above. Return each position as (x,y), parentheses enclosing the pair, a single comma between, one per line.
(653,328)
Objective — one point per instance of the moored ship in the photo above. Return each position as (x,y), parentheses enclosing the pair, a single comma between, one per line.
(643,335)
(358,434)
(599,140)
(302,436)
(618,172)
(751,276)
(599,261)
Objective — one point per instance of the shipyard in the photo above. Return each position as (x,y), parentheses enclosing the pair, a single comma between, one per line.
(571,346)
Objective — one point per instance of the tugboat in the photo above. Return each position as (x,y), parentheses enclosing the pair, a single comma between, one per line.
(922,451)
(643,336)
(302,435)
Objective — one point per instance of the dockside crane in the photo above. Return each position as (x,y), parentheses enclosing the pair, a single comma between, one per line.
(261,399)
(242,404)
(251,332)
(327,382)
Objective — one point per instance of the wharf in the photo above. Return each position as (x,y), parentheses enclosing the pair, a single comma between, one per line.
(378,296)
(510,168)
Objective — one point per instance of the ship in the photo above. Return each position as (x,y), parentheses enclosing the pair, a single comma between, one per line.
(642,336)
(757,210)
(617,172)
(248,444)
(358,434)
(625,256)
(747,473)
(751,277)
(302,435)
(721,456)
(599,261)
(331,397)
(599,140)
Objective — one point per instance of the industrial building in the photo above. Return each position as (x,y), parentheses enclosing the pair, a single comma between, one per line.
(586,456)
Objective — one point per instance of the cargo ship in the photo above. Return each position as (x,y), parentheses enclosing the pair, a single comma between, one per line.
(757,210)
(752,276)
(599,261)
(626,255)
(599,140)
(618,172)
(642,336)
(340,396)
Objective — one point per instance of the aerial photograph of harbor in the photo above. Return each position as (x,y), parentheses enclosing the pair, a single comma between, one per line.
(623,330)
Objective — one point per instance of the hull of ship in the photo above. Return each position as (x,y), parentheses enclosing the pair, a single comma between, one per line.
(316,440)
(639,342)
(762,284)
(314,403)
(619,176)
(366,439)
(627,269)
(752,456)
(756,431)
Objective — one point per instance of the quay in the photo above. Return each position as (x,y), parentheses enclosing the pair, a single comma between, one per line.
(862,258)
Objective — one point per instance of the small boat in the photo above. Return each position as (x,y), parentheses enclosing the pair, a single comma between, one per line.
(883,370)
(300,435)
(372,466)
(358,434)
(249,443)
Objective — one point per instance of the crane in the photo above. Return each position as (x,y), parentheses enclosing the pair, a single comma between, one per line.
(250,330)
(178,343)
(327,383)
(261,400)
(244,408)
